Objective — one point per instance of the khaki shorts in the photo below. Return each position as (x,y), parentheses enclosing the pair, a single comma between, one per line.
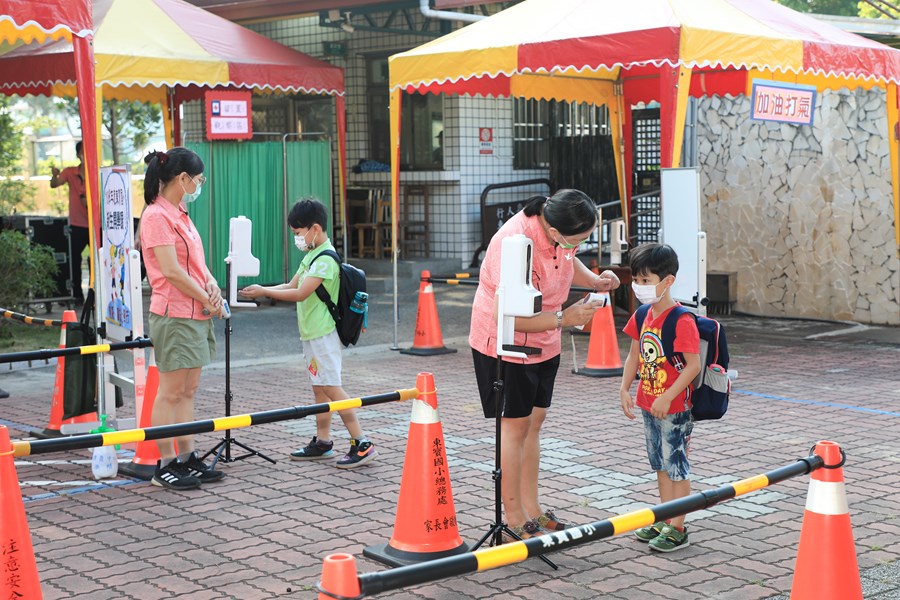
(181,343)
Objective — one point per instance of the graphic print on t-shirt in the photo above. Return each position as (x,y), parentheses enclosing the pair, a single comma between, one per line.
(653,373)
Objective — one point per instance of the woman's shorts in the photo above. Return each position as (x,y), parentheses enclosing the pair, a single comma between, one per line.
(181,343)
(524,386)
(323,359)
(668,443)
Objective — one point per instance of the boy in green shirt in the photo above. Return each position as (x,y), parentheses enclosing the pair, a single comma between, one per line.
(321,345)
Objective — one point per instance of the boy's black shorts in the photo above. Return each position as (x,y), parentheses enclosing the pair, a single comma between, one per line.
(524,386)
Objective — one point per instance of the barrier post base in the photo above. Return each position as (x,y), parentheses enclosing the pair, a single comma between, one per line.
(599,372)
(428,351)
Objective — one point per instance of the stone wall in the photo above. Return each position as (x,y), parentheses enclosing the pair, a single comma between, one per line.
(803,214)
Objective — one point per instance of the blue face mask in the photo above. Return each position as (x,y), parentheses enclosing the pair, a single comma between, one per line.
(188,198)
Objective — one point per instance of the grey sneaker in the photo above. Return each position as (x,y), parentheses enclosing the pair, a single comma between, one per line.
(314,450)
(361,452)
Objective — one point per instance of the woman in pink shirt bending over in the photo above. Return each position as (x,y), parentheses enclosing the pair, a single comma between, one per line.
(185,296)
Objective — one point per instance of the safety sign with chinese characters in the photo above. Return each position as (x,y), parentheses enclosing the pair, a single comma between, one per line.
(485,141)
(783,102)
(118,240)
(228,115)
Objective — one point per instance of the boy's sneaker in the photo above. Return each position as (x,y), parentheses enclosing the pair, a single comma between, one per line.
(360,453)
(549,522)
(651,532)
(669,540)
(199,469)
(314,450)
(174,476)
(528,530)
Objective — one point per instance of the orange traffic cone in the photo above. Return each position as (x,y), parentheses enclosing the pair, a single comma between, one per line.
(56,405)
(826,567)
(428,340)
(603,359)
(20,576)
(146,453)
(425,526)
(339,578)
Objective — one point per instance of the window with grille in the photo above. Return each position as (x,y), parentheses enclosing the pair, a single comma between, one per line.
(421,122)
(536,121)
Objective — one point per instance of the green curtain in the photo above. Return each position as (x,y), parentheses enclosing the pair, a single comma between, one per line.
(247,179)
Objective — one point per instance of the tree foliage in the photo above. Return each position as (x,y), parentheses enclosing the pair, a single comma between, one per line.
(130,124)
(25,271)
(14,193)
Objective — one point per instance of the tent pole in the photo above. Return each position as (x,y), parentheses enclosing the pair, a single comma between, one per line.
(396,96)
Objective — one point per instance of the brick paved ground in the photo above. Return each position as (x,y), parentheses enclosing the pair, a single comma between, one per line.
(264,530)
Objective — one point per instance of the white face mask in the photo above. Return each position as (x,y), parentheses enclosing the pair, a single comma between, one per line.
(302,244)
(646,294)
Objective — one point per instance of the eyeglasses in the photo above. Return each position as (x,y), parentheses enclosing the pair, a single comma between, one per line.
(201,181)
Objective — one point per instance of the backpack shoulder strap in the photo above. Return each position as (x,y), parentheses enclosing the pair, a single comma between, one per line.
(321,292)
(640,315)
(668,328)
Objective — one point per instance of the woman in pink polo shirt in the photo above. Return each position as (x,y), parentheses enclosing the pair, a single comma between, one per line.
(556,226)
(184,298)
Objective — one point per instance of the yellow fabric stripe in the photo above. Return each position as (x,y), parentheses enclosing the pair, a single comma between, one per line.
(752,484)
(11,34)
(499,556)
(231,422)
(633,520)
(420,65)
(21,448)
(123,437)
(894,152)
(344,404)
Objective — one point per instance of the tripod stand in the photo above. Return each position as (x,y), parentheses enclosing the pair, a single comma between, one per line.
(227,441)
(498,527)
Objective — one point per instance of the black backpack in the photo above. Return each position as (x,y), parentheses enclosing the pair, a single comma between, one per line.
(349,323)
(709,399)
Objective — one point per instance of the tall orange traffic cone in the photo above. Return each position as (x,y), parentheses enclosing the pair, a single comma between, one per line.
(19,577)
(425,526)
(826,567)
(146,453)
(56,405)
(603,359)
(339,578)
(428,340)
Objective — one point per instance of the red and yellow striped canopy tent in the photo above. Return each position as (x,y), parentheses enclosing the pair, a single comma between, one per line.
(24,24)
(622,53)
(168,52)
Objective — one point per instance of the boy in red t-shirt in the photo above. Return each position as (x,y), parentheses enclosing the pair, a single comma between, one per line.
(664,391)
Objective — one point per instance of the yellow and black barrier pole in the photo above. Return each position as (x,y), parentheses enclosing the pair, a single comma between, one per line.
(29,320)
(128,436)
(73,351)
(507,554)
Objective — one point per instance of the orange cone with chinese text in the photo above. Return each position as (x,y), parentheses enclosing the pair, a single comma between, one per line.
(425,527)
(826,567)
(146,453)
(603,359)
(19,570)
(339,578)
(428,340)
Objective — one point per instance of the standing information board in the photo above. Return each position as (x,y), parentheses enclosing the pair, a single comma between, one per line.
(117,242)
(680,215)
